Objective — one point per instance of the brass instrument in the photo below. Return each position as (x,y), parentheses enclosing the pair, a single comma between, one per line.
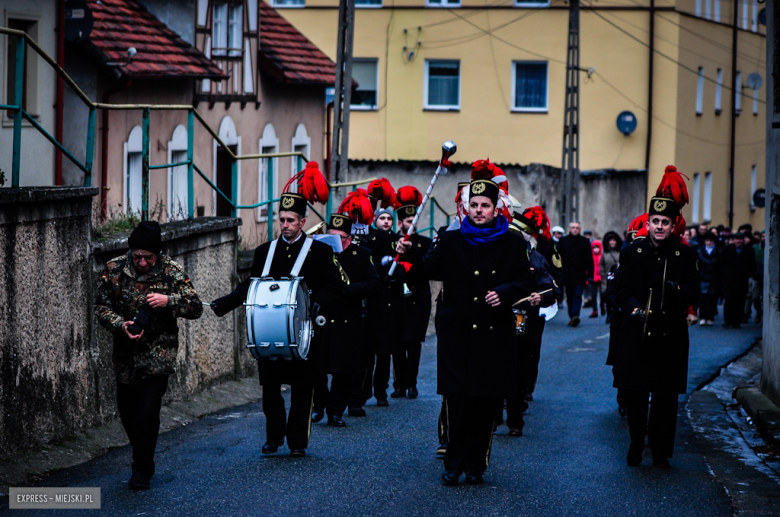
(344,277)
(318,228)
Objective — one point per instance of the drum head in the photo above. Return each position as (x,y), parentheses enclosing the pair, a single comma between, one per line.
(301,321)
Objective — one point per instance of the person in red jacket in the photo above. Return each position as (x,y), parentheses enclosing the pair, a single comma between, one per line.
(594,284)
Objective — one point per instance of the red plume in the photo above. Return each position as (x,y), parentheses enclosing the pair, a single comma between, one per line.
(673,186)
(482,170)
(381,190)
(679,228)
(408,196)
(357,206)
(311,184)
(639,225)
(541,221)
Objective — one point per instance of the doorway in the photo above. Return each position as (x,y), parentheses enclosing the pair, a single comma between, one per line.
(224,179)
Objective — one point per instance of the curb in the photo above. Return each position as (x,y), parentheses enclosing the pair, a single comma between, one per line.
(765,414)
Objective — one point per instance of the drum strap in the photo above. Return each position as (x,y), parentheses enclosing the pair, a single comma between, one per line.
(298,262)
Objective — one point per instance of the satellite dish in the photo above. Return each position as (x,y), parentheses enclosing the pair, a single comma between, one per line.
(78,21)
(754,81)
(759,198)
(762,17)
(626,122)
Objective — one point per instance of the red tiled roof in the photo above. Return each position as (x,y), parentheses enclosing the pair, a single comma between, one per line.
(288,55)
(121,24)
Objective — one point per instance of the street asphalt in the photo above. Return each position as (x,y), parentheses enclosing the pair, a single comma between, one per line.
(569,462)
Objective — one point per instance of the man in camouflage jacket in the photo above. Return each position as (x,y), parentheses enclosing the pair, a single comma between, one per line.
(144,278)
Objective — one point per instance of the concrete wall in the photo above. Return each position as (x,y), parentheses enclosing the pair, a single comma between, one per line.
(56,375)
(609,199)
(770,375)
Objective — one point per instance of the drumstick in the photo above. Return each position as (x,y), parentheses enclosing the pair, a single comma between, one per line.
(528,298)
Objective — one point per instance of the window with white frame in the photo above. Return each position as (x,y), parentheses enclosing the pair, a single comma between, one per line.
(753,185)
(301,143)
(719,92)
(133,172)
(227,29)
(368,3)
(269,143)
(716,10)
(706,215)
(696,198)
(708,9)
(697,9)
(744,14)
(178,181)
(442,3)
(738,95)
(531,3)
(755,102)
(289,3)
(365,72)
(754,17)
(442,85)
(529,86)
(700,92)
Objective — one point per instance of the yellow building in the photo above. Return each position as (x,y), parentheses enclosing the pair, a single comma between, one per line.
(490,75)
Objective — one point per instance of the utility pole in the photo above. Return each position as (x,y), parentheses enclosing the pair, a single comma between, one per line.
(570,170)
(732,147)
(339,154)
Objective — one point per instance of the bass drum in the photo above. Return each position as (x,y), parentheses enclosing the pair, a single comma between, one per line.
(278,324)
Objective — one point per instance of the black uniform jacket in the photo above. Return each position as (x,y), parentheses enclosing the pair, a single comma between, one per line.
(477,347)
(737,267)
(542,281)
(615,314)
(345,320)
(652,355)
(386,309)
(549,250)
(577,257)
(709,270)
(417,303)
(322,278)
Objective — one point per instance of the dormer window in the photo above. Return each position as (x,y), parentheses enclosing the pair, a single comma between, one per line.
(227,31)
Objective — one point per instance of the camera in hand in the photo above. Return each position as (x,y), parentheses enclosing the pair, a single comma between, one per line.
(141,320)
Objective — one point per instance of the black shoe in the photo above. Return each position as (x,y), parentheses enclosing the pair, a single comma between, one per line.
(317,415)
(398,394)
(139,481)
(575,321)
(271,448)
(298,453)
(336,421)
(357,411)
(382,402)
(634,457)
(515,431)
(450,477)
(662,463)
(441,450)
(412,393)
(472,478)
(529,397)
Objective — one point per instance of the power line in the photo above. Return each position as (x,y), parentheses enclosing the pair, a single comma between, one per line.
(686,67)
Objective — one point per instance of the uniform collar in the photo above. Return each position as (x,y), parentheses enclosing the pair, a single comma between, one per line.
(294,240)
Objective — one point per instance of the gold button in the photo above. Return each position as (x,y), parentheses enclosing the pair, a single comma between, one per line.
(333,321)
(289,256)
(648,334)
(649,312)
(420,246)
(345,321)
(354,252)
(388,305)
(476,273)
(491,328)
(474,327)
(476,299)
(494,272)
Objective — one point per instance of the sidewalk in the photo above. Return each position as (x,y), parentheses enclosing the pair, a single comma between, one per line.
(735,452)
(35,464)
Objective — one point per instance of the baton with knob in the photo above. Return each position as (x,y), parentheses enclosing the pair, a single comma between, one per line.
(448,148)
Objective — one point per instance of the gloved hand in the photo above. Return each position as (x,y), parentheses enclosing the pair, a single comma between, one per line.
(638,315)
(218,310)
(673,285)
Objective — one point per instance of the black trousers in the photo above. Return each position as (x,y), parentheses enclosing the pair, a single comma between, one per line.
(708,306)
(406,365)
(139,410)
(734,308)
(362,381)
(297,425)
(470,431)
(381,376)
(660,425)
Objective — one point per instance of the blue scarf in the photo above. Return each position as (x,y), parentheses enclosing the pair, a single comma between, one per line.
(484,236)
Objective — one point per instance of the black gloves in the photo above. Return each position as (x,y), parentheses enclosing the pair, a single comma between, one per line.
(217,307)
(637,316)
(673,285)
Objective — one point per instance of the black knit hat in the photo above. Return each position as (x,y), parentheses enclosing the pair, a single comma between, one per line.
(146,236)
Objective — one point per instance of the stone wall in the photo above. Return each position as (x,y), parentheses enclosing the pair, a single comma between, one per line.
(56,375)
(609,199)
